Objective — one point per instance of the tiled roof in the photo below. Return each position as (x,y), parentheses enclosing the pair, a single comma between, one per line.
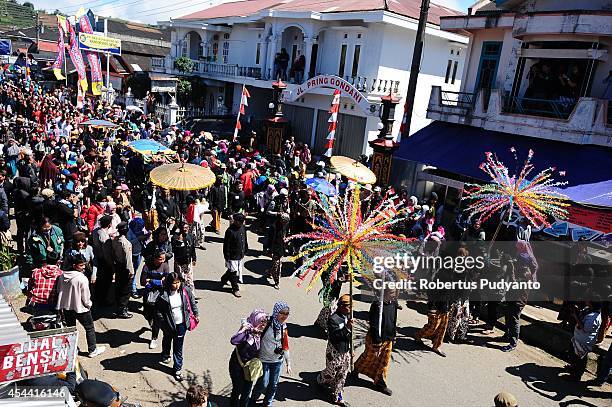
(234,9)
(408,8)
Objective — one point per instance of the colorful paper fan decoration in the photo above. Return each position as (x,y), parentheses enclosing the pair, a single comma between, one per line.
(342,236)
(537,198)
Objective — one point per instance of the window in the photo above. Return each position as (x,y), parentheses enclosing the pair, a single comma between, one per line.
(356,60)
(452,52)
(454,72)
(226,36)
(359,35)
(184,48)
(225,51)
(345,35)
(257,53)
(448,70)
(342,61)
(215,51)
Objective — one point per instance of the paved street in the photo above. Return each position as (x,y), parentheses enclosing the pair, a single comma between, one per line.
(471,375)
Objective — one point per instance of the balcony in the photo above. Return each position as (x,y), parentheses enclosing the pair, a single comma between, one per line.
(255,76)
(588,121)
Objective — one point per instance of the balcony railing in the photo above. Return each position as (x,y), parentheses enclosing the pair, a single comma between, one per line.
(540,107)
(462,100)
(158,62)
(585,121)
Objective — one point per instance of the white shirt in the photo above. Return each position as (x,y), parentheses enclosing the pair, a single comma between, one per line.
(176,305)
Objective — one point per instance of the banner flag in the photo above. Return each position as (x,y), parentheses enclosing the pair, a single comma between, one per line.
(61,49)
(92,58)
(77,58)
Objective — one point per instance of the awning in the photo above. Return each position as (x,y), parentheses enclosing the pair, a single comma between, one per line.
(460,149)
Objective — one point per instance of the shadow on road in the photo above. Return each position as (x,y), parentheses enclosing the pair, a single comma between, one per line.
(308,331)
(302,390)
(548,382)
(136,362)
(116,338)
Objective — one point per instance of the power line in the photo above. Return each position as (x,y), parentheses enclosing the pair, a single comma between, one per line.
(176,9)
(76,7)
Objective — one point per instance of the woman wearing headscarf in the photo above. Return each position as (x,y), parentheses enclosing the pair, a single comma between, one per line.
(137,237)
(338,352)
(273,353)
(160,240)
(244,366)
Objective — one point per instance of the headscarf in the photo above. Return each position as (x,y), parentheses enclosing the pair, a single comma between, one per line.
(137,225)
(278,307)
(257,317)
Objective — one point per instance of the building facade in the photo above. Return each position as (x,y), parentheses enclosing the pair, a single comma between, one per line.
(537,76)
(367,44)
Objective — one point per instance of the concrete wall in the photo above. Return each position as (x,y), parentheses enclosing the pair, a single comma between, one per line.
(395,61)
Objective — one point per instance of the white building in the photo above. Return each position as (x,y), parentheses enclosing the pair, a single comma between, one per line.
(538,76)
(367,43)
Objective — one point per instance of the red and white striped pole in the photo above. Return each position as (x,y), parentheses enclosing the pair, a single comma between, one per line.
(244,101)
(333,122)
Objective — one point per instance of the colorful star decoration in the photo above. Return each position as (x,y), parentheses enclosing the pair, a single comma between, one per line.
(537,199)
(342,236)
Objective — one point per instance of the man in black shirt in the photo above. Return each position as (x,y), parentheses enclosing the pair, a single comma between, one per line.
(234,249)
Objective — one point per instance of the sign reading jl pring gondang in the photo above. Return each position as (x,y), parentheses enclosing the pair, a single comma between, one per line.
(99,43)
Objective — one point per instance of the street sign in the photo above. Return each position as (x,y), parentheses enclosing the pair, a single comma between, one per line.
(46,353)
(99,43)
(6,47)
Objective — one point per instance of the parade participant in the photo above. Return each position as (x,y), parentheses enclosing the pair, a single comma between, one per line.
(505,399)
(160,240)
(585,336)
(42,289)
(74,301)
(374,361)
(137,237)
(103,255)
(236,198)
(234,249)
(245,368)
(45,245)
(459,314)
(273,353)
(124,270)
(183,247)
(175,310)
(217,197)
(516,301)
(67,215)
(437,317)
(167,209)
(151,278)
(82,247)
(197,396)
(278,247)
(338,352)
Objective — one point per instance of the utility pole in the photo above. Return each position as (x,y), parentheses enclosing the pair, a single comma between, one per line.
(416,66)
(37,29)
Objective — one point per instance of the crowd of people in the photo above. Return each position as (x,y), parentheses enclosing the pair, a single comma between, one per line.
(93,232)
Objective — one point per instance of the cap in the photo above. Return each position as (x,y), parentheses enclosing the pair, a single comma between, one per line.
(505,399)
(47,193)
(284,191)
(238,217)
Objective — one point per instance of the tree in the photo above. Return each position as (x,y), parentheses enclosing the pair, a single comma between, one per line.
(183,90)
(28,4)
(184,64)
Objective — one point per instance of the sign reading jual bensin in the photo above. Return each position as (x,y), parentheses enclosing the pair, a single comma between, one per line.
(46,353)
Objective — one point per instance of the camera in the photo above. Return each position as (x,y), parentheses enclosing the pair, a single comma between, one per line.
(279,351)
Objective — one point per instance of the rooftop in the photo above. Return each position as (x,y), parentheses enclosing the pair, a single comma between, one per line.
(408,8)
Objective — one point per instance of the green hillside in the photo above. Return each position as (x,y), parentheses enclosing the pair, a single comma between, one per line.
(14,14)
